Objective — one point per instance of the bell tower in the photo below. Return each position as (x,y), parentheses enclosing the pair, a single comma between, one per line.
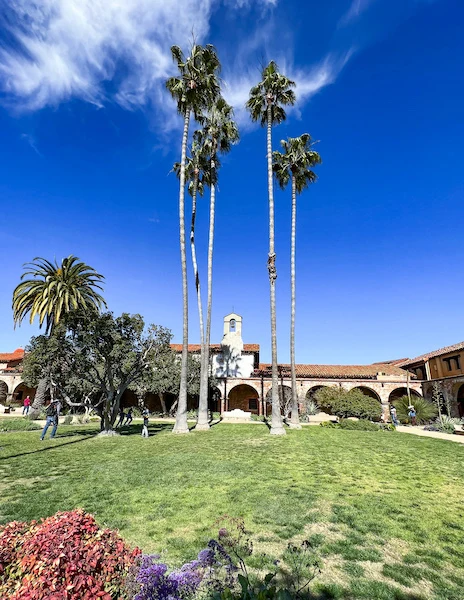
(233,324)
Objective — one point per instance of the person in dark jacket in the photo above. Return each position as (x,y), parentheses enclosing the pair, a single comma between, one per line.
(52,414)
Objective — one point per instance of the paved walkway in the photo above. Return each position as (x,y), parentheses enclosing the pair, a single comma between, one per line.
(431,434)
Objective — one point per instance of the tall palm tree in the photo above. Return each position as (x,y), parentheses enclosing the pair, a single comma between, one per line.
(265,104)
(218,134)
(294,163)
(197,174)
(194,90)
(50,292)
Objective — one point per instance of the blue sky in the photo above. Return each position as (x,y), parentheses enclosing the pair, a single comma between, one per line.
(89,137)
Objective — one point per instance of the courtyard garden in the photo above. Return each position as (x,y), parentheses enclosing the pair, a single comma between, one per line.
(383,509)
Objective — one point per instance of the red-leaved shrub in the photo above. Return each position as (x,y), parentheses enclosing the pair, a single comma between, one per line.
(64,557)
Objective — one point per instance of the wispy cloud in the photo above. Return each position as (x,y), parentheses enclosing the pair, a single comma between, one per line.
(357,8)
(73,48)
(308,82)
(30,139)
(118,51)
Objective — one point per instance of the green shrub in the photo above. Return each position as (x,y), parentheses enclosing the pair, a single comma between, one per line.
(348,404)
(329,424)
(387,427)
(310,408)
(257,417)
(68,419)
(215,416)
(425,410)
(362,425)
(18,424)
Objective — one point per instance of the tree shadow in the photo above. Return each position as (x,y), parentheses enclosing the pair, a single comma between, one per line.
(136,429)
(54,445)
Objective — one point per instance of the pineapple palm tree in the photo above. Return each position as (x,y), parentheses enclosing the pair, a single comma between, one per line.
(294,163)
(194,90)
(265,104)
(50,292)
(218,134)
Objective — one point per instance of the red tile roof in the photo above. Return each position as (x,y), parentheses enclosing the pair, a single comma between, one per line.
(216,347)
(439,352)
(396,361)
(18,354)
(337,371)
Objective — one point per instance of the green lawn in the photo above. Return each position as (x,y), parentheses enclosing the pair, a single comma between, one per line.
(387,508)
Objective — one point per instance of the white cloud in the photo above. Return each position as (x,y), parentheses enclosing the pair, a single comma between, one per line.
(118,51)
(308,83)
(72,47)
(355,11)
(30,139)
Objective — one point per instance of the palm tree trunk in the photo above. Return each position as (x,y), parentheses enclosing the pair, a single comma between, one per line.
(181,425)
(39,399)
(294,420)
(276,425)
(203,408)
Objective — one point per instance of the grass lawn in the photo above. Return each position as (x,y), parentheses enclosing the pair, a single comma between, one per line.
(386,508)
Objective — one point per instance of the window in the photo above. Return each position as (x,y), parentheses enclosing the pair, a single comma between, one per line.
(253,404)
(232,325)
(453,363)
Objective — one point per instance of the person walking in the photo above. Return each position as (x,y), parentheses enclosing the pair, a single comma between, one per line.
(412,415)
(26,405)
(129,417)
(122,416)
(394,417)
(145,415)
(52,414)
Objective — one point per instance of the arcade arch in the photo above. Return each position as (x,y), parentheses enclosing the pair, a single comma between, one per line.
(285,397)
(398,393)
(244,397)
(367,391)
(3,392)
(460,400)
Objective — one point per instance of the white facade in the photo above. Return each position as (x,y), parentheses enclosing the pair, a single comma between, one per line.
(232,361)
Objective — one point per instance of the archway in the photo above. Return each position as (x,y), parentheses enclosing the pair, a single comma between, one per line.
(244,397)
(400,392)
(313,391)
(368,392)
(460,400)
(3,392)
(285,397)
(21,392)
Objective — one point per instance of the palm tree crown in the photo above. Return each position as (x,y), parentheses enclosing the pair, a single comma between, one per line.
(295,161)
(197,85)
(273,91)
(55,290)
(219,130)
(197,168)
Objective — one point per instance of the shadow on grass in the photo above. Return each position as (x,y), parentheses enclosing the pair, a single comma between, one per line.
(370,592)
(136,429)
(54,446)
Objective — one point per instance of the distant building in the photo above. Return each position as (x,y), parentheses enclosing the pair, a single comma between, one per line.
(12,387)
(444,367)
(245,383)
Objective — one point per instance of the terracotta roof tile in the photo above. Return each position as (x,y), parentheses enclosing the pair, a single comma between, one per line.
(439,352)
(217,347)
(337,371)
(18,354)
